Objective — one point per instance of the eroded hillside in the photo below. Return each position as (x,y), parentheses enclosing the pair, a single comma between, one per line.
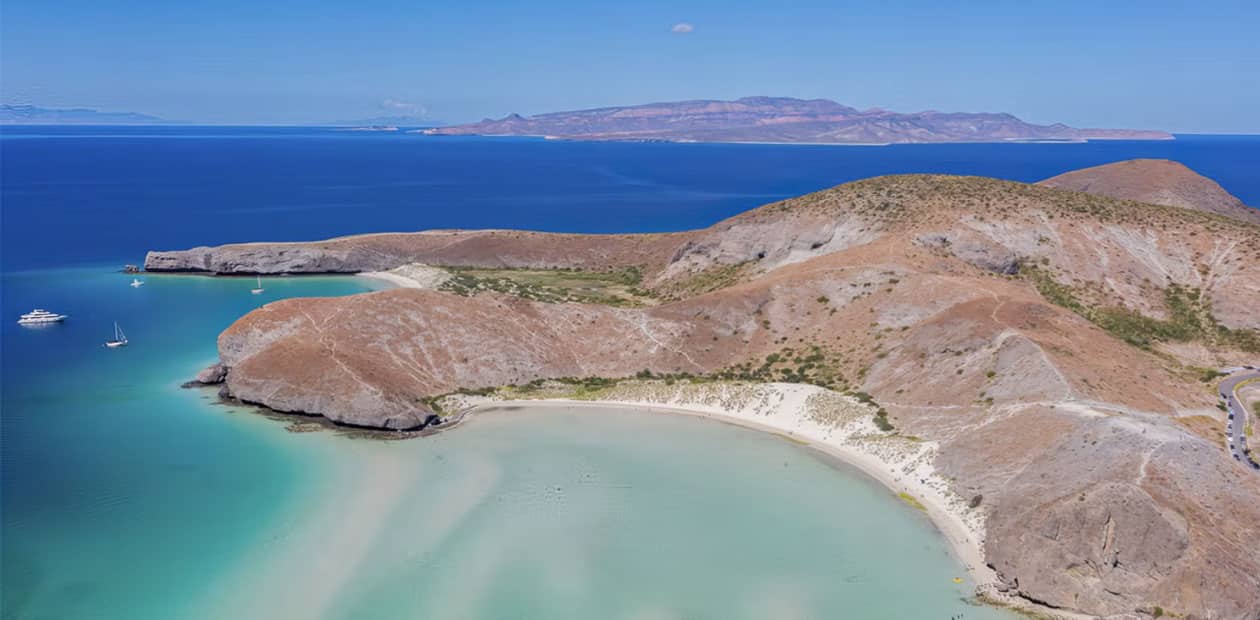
(1046,339)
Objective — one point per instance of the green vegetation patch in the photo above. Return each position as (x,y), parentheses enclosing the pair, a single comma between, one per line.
(714,278)
(619,287)
(1207,375)
(812,365)
(1052,291)
(881,421)
(1189,317)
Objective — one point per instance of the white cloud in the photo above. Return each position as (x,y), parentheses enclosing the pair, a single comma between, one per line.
(682,28)
(395,106)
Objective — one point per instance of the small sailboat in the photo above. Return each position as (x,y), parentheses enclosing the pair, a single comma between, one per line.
(258,290)
(120,339)
(137,283)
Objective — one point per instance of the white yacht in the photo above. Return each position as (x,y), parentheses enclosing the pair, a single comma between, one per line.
(137,283)
(120,339)
(40,317)
(259,290)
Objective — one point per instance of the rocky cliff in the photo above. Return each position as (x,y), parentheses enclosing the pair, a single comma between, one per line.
(781,119)
(379,252)
(1043,337)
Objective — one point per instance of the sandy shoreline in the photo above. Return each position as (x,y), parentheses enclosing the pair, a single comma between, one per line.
(392,279)
(262,587)
(412,275)
(807,415)
(784,410)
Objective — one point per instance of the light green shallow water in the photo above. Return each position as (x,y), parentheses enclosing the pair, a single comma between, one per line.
(126,497)
(598,513)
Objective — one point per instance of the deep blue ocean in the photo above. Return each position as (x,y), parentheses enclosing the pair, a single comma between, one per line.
(92,194)
(124,496)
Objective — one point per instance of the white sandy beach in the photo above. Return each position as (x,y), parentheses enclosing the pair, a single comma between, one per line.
(393,279)
(834,424)
(413,275)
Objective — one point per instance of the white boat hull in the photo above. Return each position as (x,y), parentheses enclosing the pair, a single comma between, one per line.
(41,317)
(120,339)
(40,321)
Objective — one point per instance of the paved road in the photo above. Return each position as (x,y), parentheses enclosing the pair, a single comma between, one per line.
(1237,442)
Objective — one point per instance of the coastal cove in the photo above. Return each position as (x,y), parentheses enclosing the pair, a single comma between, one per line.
(681,492)
(257,518)
(550,509)
(907,475)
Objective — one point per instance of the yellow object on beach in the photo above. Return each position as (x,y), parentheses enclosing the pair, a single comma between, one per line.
(957,579)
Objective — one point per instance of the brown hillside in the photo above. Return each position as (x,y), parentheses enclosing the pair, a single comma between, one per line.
(1032,332)
(1157,181)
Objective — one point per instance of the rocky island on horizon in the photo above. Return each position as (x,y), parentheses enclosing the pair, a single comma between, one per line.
(24,114)
(782,120)
(1035,356)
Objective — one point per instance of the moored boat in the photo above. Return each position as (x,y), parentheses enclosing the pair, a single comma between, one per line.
(120,339)
(40,317)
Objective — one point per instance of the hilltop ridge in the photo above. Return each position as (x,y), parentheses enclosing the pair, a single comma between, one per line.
(781,120)
(1156,181)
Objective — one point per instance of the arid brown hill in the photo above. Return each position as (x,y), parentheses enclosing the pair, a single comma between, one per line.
(781,119)
(1157,181)
(1042,337)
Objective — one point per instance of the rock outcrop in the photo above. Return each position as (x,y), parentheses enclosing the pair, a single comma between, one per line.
(213,374)
(965,306)
(382,252)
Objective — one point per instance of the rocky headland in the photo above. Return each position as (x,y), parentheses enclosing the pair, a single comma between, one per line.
(1038,356)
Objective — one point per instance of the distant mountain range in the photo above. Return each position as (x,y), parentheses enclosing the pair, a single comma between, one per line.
(31,115)
(783,120)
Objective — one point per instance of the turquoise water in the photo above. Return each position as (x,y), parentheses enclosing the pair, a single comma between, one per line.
(128,497)
(122,492)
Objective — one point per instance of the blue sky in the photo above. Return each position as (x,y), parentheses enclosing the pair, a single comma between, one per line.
(1180,66)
